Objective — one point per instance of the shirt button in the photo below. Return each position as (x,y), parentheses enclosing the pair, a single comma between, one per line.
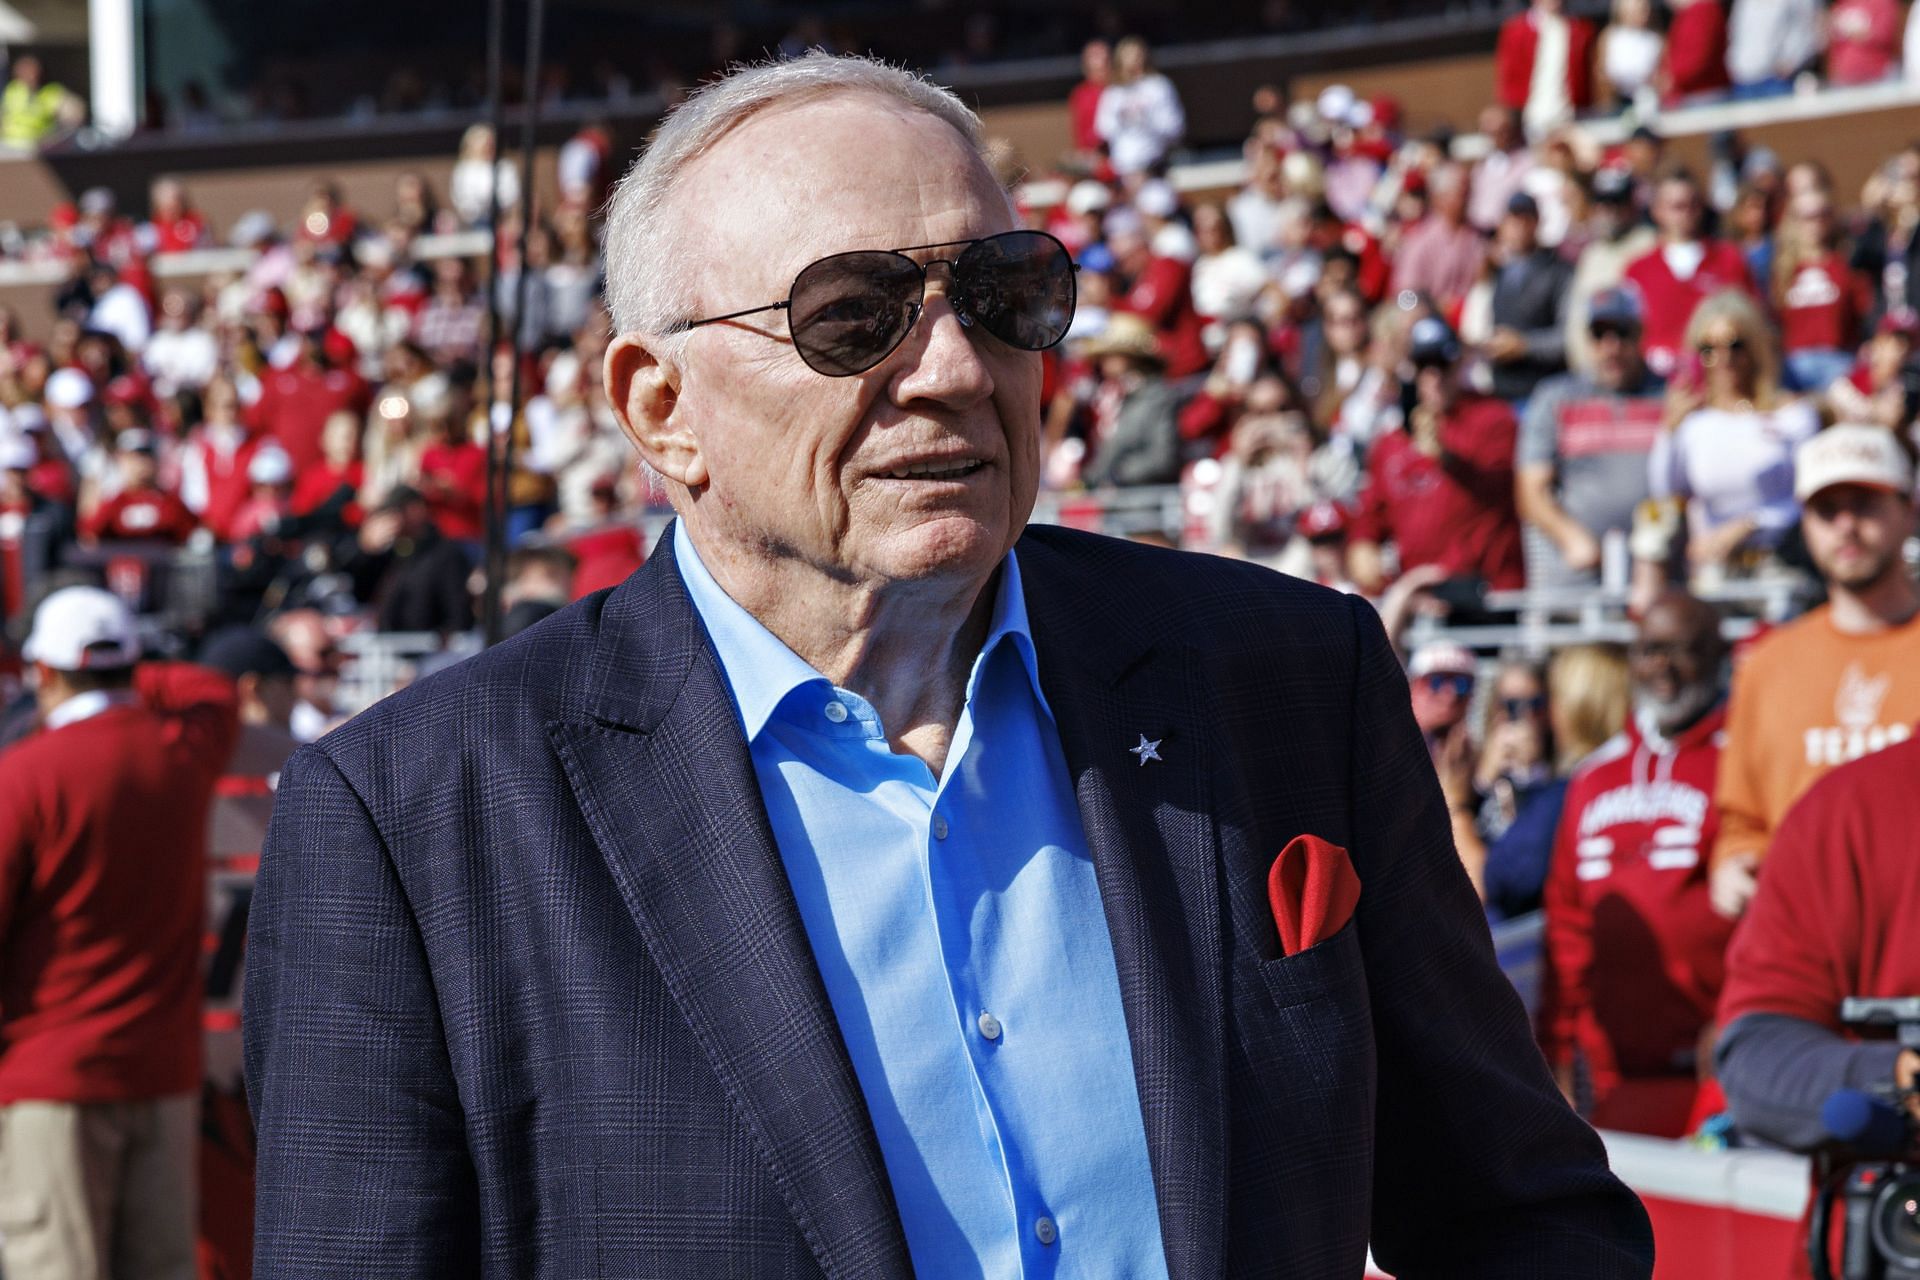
(939,827)
(836,712)
(1045,1231)
(990,1028)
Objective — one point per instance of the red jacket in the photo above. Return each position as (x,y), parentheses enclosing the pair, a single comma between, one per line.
(1457,510)
(1635,952)
(1163,297)
(1696,54)
(1667,301)
(1513,61)
(141,514)
(103,883)
(295,404)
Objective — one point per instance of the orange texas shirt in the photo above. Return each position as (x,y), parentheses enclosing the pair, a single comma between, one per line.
(1805,699)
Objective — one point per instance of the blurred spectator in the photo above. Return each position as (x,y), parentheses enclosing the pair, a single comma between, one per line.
(1877,390)
(1083,105)
(1441,676)
(452,476)
(1543,65)
(415,576)
(173,225)
(1629,53)
(1769,42)
(103,840)
(215,458)
(339,468)
(1160,292)
(1441,488)
(1530,285)
(1888,248)
(583,167)
(1581,466)
(1821,301)
(1832,919)
(308,640)
(1634,950)
(1441,255)
(1140,442)
(32,108)
(141,509)
(1730,454)
(1257,209)
(607,549)
(269,494)
(1228,279)
(1615,238)
(1140,117)
(1683,268)
(1863,41)
(296,401)
(183,353)
(538,583)
(1841,681)
(1516,746)
(118,308)
(1696,60)
(1503,172)
(449,324)
(473,171)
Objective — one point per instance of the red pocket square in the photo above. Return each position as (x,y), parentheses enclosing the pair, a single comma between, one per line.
(1312,889)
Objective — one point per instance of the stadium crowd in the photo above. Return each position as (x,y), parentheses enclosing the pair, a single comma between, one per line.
(1435,371)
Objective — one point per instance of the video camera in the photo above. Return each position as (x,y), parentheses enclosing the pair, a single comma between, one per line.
(1873,1169)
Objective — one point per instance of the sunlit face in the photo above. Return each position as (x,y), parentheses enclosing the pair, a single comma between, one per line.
(1676,210)
(1728,357)
(795,466)
(1854,533)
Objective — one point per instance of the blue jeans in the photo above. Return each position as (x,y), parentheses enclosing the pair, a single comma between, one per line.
(1816,368)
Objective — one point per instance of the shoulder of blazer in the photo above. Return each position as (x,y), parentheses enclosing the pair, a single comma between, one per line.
(1109,592)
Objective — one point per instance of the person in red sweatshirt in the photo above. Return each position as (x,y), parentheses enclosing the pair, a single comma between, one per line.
(339,468)
(1441,488)
(1545,96)
(103,839)
(295,402)
(1680,270)
(1634,949)
(1695,65)
(142,510)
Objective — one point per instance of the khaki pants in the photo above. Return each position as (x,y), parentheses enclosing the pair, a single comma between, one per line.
(98,1190)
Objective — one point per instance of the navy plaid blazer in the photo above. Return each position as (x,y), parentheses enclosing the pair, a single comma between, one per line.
(528,994)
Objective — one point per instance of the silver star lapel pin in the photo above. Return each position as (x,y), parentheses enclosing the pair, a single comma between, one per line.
(1147,750)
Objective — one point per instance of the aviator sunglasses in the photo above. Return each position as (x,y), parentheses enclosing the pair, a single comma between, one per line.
(848,312)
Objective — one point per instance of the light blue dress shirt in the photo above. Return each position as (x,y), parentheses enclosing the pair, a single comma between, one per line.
(958,927)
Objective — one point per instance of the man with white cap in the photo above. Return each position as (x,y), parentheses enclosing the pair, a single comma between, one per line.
(103,830)
(1844,680)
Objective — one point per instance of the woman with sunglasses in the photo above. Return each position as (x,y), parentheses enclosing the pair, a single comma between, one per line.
(1729,450)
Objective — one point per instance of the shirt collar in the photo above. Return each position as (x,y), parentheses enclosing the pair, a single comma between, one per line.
(84,706)
(762,670)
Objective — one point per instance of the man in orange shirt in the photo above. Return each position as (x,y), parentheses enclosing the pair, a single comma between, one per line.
(1844,680)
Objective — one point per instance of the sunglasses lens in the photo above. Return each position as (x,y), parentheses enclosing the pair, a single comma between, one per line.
(1019,287)
(850,311)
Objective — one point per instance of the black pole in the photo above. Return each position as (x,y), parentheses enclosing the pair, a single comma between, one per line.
(529,127)
(495,512)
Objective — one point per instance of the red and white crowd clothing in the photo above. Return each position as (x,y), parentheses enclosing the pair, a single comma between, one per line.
(1672,280)
(296,402)
(213,474)
(1635,953)
(454,479)
(140,514)
(1456,510)
(1163,296)
(1824,306)
(1543,67)
(103,840)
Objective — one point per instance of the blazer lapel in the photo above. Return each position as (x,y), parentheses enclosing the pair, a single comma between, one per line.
(1150,828)
(663,777)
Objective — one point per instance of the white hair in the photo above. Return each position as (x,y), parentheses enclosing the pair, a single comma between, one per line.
(648,289)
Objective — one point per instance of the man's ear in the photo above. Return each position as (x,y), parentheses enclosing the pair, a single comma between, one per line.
(643,387)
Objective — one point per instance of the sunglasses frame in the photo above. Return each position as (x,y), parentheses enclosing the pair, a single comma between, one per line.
(953,267)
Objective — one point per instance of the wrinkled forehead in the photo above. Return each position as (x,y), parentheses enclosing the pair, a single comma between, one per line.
(828,175)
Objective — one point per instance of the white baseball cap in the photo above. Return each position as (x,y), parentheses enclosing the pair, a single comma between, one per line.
(1088,196)
(83,629)
(1442,656)
(271,465)
(1851,453)
(68,389)
(1157,199)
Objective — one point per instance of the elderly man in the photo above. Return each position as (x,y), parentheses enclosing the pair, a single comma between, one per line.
(851,893)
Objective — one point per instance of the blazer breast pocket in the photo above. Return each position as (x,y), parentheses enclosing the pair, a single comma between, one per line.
(1330,968)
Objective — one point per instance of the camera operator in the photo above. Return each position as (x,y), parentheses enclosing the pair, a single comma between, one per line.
(1832,918)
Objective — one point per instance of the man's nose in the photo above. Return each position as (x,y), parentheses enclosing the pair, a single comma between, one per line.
(943,358)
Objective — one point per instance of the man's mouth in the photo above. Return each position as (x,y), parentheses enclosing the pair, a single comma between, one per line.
(949,469)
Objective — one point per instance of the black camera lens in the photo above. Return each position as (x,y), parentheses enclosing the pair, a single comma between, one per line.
(1896,1224)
